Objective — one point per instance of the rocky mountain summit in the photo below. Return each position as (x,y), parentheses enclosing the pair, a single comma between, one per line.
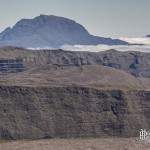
(50,31)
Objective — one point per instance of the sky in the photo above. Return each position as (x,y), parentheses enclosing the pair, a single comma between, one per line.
(109,18)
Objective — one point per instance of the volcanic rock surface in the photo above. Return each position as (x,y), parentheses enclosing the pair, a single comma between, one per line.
(74,94)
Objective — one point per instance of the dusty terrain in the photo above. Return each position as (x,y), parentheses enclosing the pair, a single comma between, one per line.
(96,76)
(77,144)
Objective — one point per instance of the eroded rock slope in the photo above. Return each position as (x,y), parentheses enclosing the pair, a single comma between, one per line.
(74,94)
(39,112)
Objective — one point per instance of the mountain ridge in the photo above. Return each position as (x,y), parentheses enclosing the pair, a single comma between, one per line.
(51,31)
(136,63)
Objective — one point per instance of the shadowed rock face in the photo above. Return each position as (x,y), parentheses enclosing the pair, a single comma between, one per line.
(46,112)
(11,65)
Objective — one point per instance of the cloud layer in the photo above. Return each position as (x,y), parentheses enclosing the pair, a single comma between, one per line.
(98,48)
(138,40)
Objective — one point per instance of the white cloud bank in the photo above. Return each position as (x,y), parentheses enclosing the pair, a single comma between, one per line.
(141,40)
(98,48)
(137,40)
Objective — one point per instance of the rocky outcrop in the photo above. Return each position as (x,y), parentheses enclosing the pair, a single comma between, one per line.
(11,65)
(135,63)
(50,112)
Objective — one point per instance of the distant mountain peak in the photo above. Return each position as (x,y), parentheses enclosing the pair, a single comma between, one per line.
(50,31)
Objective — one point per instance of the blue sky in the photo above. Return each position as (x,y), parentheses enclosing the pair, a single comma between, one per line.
(110,18)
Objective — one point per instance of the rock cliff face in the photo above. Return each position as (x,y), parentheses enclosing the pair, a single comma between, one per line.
(135,63)
(74,94)
(47,112)
(11,65)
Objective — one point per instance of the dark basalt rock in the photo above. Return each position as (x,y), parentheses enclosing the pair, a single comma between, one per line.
(11,65)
